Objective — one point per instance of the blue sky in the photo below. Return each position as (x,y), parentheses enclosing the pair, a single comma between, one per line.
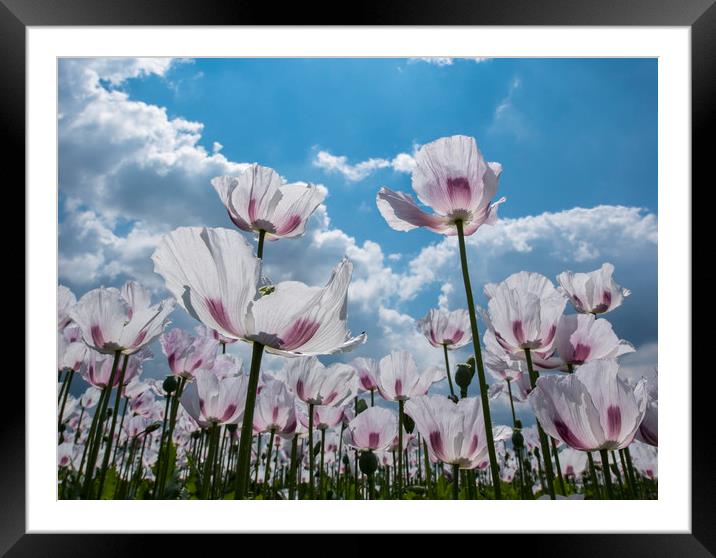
(141,138)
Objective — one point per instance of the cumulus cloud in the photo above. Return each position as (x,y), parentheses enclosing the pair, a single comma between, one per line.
(444,61)
(402,162)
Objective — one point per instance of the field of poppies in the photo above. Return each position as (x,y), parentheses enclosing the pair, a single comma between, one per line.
(218,428)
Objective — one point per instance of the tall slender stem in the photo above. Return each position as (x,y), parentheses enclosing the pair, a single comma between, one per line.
(455,482)
(399,476)
(372,398)
(294,464)
(311,458)
(160,453)
(258,459)
(595,479)
(243,461)
(267,472)
(512,403)
(447,370)
(428,471)
(627,478)
(67,384)
(559,467)
(209,466)
(542,436)
(260,248)
(478,360)
(604,455)
(121,425)
(630,468)
(322,492)
(170,434)
(110,441)
(100,415)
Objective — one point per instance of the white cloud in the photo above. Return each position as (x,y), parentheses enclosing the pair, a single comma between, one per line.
(445,61)
(507,117)
(402,162)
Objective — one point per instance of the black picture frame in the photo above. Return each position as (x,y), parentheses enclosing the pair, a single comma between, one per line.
(17,15)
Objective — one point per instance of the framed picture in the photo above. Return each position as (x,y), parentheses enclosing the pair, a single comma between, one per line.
(244,186)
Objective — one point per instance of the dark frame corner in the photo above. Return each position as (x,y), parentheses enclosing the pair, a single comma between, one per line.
(16,15)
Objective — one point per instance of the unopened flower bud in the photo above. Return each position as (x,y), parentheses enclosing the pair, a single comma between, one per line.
(170,384)
(408,424)
(463,377)
(155,426)
(368,462)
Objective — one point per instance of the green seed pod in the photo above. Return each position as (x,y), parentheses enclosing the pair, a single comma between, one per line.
(361,406)
(463,377)
(408,424)
(156,425)
(368,462)
(170,384)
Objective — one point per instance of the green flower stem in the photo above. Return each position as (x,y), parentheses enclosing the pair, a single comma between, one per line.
(209,468)
(170,434)
(258,459)
(542,436)
(63,387)
(100,415)
(630,468)
(618,473)
(260,248)
(399,475)
(419,460)
(218,470)
(121,425)
(447,370)
(455,482)
(478,360)
(428,471)
(604,455)
(627,478)
(160,454)
(512,403)
(243,461)
(311,457)
(321,479)
(560,478)
(593,471)
(67,383)
(110,441)
(372,398)
(267,472)
(294,465)
(79,425)
(356,489)
(223,347)
(522,474)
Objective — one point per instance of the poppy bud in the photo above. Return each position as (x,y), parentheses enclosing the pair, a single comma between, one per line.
(155,426)
(518,440)
(368,463)
(109,412)
(361,406)
(463,377)
(232,427)
(408,424)
(346,460)
(196,434)
(170,384)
